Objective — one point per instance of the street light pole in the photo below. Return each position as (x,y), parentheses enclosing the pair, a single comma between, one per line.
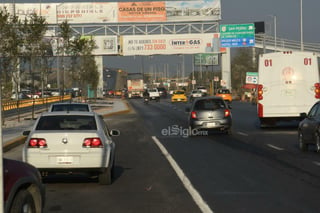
(301,26)
(275,32)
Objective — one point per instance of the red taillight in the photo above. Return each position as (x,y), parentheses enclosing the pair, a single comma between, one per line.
(260,110)
(37,143)
(317,90)
(193,114)
(92,143)
(227,113)
(260,92)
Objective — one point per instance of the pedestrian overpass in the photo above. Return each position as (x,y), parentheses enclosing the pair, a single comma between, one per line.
(267,42)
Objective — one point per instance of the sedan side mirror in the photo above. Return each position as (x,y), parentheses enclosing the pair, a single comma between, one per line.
(114,132)
(303,115)
(26,133)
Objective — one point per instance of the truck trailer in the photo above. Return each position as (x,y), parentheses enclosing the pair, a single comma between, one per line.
(288,84)
(135,85)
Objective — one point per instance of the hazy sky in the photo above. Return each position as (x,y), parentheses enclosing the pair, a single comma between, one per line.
(287,14)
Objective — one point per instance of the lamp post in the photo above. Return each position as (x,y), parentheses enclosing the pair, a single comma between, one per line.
(274,30)
(301,27)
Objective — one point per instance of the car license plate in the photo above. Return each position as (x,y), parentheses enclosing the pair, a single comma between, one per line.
(211,125)
(179,99)
(64,160)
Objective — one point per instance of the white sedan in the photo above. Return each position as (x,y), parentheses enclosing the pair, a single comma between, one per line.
(71,142)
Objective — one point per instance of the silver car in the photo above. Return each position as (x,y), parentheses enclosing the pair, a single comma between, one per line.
(71,142)
(209,113)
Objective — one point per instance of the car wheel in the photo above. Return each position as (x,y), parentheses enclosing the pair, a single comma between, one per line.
(302,146)
(105,178)
(317,142)
(23,202)
(228,131)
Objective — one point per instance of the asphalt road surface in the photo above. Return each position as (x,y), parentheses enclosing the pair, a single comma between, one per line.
(160,169)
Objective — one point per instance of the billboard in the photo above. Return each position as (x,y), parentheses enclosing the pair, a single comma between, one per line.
(106,45)
(167,44)
(141,11)
(206,59)
(120,12)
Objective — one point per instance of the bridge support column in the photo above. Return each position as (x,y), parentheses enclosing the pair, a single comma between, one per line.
(226,69)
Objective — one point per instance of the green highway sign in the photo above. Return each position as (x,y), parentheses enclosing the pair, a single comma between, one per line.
(237,35)
(206,59)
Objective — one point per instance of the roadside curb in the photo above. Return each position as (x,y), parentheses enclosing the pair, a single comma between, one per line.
(13,143)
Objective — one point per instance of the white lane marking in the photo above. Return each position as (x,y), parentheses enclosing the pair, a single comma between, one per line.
(317,163)
(243,134)
(275,147)
(184,179)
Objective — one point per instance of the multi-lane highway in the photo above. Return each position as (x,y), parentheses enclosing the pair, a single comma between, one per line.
(160,169)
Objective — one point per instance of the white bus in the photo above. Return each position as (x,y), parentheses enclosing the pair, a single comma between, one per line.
(288,85)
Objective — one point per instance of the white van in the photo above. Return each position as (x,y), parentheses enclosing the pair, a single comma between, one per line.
(288,84)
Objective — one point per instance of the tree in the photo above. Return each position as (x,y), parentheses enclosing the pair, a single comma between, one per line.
(64,50)
(85,71)
(243,62)
(11,36)
(35,47)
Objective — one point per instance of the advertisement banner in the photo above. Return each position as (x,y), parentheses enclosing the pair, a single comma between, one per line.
(169,44)
(106,45)
(93,12)
(22,11)
(120,12)
(205,10)
(141,11)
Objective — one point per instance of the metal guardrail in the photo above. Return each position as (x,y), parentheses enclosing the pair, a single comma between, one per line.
(15,104)
(280,44)
(16,108)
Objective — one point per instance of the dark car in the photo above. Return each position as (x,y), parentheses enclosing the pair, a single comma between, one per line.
(23,189)
(309,128)
(162,91)
(209,113)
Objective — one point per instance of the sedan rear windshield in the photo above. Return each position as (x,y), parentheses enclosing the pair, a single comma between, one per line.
(209,105)
(63,122)
(70,107)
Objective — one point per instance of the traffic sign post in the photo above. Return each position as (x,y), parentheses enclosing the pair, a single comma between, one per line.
(252,78)
(237,35)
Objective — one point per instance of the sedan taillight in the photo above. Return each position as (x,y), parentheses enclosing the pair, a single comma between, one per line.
(227,113)
(37,143)
(193,115)
(92,143)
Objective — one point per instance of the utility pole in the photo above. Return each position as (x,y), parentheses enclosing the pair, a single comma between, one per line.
(301,26)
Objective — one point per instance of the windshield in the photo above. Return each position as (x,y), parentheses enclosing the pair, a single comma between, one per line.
(63,122)
(178,92)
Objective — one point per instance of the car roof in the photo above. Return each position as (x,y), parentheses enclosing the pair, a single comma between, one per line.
(209,98)
(70,104)
(67,113)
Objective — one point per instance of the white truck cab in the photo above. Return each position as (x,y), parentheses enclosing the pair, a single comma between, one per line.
(154,94)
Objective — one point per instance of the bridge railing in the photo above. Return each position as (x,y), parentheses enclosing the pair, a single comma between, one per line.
(267,41)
